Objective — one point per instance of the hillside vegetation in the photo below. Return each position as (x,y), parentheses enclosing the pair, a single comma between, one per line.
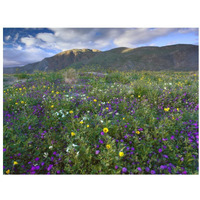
(112,123)
(180,57)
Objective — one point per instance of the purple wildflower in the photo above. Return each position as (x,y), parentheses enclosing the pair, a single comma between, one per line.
(49,168)
(4,149)
(36,159)
(182,159)
(37,167)
(162,167)
(159,150)
(101,141)
(139,169)
(102,133)
(153,171)
(147,169)
(172,137)
(124,170)
(165,156)
(97,152)
(116,167)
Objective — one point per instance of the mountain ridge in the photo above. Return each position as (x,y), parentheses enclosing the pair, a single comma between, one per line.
(178,57)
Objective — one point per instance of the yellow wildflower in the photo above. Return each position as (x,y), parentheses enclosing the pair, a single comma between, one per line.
(138,132)
(71,112)
(8,171)
(16,103)
(105,130)
(15,162)
(107,146)
(88,126)
(121,154)
(95,100)
(107,108)
(73,134)
(177,109)
(20,88)
(52,91)
(81,122)
(166,109)
(52,106)
(22,101)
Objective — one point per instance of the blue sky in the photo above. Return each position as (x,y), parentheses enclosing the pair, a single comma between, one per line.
(22,46)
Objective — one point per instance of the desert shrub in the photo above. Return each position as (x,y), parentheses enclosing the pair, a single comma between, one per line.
(70,76)
(22,76)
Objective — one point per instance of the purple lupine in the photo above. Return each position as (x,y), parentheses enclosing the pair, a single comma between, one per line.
(160,150)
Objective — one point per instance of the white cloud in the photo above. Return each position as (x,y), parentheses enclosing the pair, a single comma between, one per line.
(188,30)
(133,37)
(16,37)
(18,56)
(29,41)
(7,37)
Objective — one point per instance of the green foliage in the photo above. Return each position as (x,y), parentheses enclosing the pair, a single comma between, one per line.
(51,126)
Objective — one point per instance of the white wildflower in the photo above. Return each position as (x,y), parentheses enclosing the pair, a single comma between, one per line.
(45,154)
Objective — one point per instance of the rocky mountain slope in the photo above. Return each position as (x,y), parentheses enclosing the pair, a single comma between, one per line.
(180,57)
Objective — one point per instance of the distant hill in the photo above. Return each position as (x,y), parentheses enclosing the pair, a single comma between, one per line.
(180,57)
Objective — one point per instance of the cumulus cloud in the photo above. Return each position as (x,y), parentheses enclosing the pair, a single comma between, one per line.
(7,37)
(70,38)
(18,56)
(134,37)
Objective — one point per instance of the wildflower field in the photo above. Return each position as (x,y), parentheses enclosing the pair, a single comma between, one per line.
(115,123)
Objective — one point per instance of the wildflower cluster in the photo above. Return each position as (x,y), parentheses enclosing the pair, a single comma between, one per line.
(118,123)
